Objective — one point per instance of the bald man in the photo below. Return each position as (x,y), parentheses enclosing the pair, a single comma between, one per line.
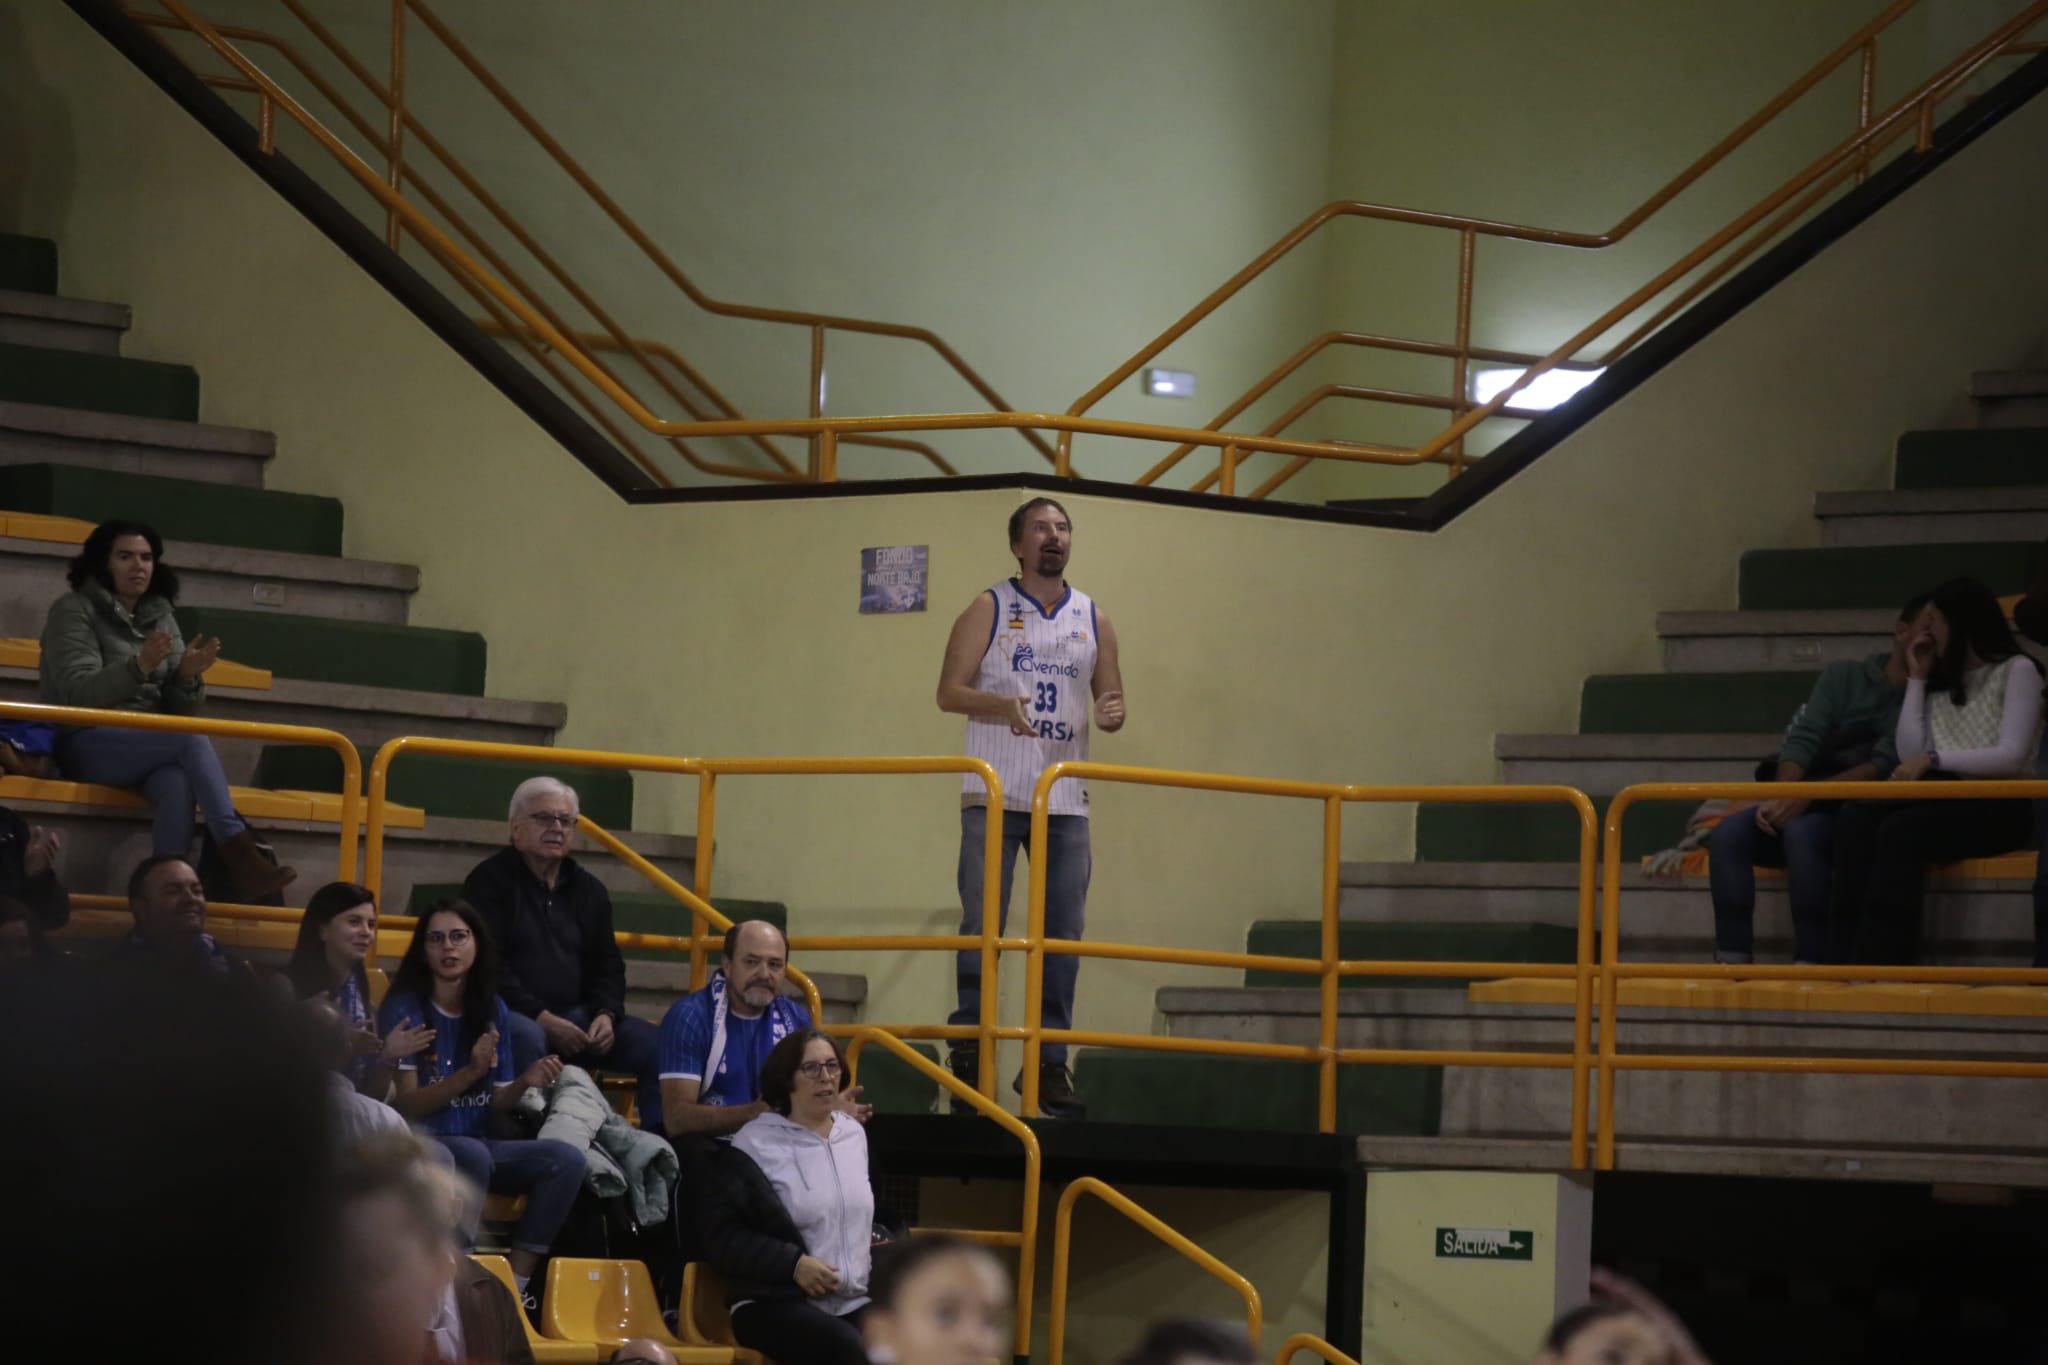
(713,1041)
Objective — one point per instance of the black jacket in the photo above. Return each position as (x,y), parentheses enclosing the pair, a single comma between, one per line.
(555,945)
(48,903)
(746,1234)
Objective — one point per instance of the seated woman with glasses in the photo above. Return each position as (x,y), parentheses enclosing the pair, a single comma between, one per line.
(450,1090)
(789,1215)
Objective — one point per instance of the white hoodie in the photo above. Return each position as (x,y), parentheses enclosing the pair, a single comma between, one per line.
(823,1184)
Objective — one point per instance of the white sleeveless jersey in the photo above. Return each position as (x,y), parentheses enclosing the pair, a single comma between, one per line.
(1046,654)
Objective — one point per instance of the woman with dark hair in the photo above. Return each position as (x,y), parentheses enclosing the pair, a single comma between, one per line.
(789,1215)
(448,983)
(337,939)
(112,642)
(1972,710)
(938,1300)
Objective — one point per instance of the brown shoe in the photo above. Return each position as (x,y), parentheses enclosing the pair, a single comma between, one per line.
(19,763)
(254,875)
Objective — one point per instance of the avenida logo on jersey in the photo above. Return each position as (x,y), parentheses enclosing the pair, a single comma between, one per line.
(1024,661)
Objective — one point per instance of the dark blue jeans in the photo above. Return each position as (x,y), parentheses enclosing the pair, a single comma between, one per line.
(547,1173)
(633,1045)
(1805,850)
(174,771)
(1067,866)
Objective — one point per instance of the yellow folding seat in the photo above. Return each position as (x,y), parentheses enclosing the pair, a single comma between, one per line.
(703,1320)
(608,1303)
(545,1352)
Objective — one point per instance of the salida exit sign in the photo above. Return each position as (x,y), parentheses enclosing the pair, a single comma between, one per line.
(1485,1244)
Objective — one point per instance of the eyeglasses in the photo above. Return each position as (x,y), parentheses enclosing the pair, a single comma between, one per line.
(819,1070)
(563,819)
(454,938)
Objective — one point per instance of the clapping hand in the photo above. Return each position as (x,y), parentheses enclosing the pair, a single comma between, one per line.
(1016,713)
(407,1040)
(40,856)
(848,1103)
(199,656)
(483,1054)
(155,649)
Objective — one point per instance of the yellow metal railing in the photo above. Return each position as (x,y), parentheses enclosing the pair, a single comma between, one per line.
(351,761)
(1329,969)
(1612,970)
(1025,1240)
(1315,1346)
(572,356)
(1063,1227)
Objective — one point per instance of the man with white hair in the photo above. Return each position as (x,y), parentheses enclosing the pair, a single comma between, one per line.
(559,968)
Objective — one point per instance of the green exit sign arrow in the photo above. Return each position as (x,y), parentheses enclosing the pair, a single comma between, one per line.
(1485,1244)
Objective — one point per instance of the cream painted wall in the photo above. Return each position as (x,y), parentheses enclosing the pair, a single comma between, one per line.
(1252,645)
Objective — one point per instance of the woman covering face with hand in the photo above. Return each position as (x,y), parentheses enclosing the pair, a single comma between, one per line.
(448,984)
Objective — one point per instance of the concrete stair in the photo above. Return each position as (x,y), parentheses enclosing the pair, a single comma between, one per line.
(2010,398)
(40,433)
(54,324)
(88,434)
(1603,764)
(1932,516)
(227,576)
(1966,923)
(1772,641)
(1968,1119)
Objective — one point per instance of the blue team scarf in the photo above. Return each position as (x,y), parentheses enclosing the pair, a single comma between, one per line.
(782,1021)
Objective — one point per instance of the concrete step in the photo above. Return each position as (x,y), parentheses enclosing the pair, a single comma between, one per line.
(268,581)
(1932,516)
(101,845)
(2010,398)
(28,319)
(38,433)
(1772,641)
(1976,923)
(1931,1165)
(1988,1116)
(368,716)
(179,508)
(100,383)
(1604,764)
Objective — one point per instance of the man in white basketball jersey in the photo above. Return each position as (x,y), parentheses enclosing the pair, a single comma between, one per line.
(1032,663)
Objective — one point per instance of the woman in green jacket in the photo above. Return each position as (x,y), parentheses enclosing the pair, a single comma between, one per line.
(112,642)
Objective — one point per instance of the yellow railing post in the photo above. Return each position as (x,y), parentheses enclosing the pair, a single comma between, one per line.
(1326,1037)
(992,889)
(1226,482)
(828,456)
(1063,1226)
(707,834)
(1582,991)
(1026,1238)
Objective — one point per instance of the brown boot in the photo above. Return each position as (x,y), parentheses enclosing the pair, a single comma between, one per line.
(254,875)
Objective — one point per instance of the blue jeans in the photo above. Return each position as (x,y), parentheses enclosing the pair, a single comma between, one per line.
(547,1173)
(633,1048)
(1805,850)
(172,770)
(1067,866)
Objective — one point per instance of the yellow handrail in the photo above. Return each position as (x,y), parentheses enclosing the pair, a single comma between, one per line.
(1612,969)
(1873,134)
(513,313)
(351,761)
(1025,1239)
(1326,1054)
(1063,1226)
(1314,1345)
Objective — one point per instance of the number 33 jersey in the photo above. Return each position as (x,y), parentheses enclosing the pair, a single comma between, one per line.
(1045,653)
